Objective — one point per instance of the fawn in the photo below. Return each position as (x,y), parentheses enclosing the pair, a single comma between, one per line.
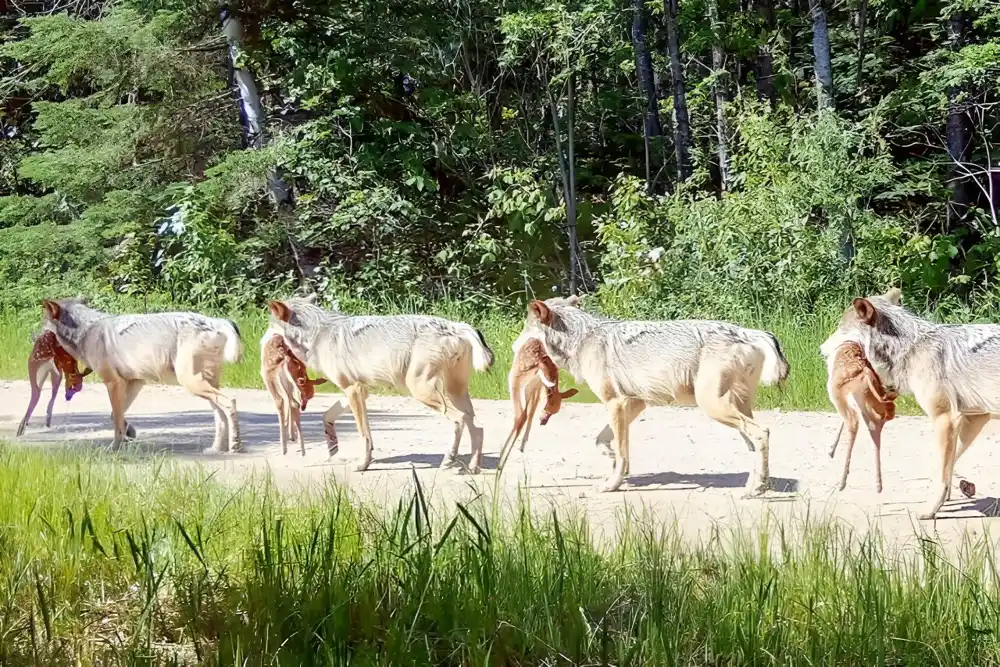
(50,360)
(286,378)
(532,371)
(856,391)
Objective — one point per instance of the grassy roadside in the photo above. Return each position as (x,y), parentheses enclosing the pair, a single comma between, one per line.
(800,338)
(107,562)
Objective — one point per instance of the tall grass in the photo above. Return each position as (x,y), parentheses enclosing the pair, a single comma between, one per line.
(107,562)
(800,338)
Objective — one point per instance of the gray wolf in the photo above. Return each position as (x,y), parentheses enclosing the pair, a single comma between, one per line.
(286,379)
(952,370)
(856,392)
(629,365)
(432,358)
(532,371)
(50,360)
(127,351)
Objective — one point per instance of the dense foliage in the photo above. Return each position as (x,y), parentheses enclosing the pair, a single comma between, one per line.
(691,157)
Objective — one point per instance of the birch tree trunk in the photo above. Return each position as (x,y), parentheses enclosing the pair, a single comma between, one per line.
(765,60)
(821,55)
(651,126)
(720,74)
(682,122)
(862,24)
(959,132)
(255,134)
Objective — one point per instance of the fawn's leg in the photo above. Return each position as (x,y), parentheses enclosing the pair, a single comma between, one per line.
(852,425)
(55,377)
(36,394)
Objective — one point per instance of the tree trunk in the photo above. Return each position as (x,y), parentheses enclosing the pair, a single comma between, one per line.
(959,132)
(765,61)
(821,53)
(862,22)
(682,123)
(651,126)
(252,117)
(721,76)
(567,172)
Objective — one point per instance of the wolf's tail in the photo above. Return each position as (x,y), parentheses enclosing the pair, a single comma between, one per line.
(482,355)
(233,351)
(776,368)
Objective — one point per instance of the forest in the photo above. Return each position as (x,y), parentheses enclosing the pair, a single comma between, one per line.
(690,157)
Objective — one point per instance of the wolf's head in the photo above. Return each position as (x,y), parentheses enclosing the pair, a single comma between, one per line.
(298,320)
(560,323)
(883,328)
(69,319)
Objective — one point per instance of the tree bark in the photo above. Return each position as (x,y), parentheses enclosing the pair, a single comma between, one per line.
(959,130)
(721,76)
(862,22)
(651,126)
(252,116)
(821,54)
(765,60)
(567,172)
(682,122)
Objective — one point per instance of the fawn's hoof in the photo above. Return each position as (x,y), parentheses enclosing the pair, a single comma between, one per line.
(967,488)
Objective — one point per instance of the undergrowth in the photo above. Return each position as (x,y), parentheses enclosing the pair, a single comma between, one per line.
(109,562)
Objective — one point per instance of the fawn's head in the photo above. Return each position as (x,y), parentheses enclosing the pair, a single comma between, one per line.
(553,402)
(305,386)
(71,372)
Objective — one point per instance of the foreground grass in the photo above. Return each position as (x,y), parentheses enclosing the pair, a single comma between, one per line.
(109,562)
(800,337)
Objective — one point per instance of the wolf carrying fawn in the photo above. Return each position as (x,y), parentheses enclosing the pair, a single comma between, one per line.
(127,351)
(49,360)
(857,393)
(952,370)
(629,365)
(531,372)
(430,357)
(286,379)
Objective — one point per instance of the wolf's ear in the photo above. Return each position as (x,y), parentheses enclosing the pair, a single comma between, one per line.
(541,312)
(279,310)
(311,298)
(51,309)
(894,296)
(865,310)
(573,300)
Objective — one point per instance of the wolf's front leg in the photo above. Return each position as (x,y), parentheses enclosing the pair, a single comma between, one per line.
(947,441)
(357,395)
(116,392)
(623,412)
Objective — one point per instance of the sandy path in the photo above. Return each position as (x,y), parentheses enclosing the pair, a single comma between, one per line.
(683,465)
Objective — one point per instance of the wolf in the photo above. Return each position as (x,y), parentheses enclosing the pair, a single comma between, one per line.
(127,351)
(952,370)
(630,365)
(430,357)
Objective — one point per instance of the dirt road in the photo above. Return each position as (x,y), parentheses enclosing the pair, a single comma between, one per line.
(683,465)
